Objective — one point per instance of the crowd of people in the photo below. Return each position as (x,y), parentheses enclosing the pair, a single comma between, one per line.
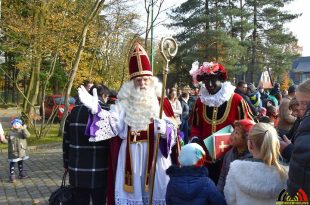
(268,144)
(110,140)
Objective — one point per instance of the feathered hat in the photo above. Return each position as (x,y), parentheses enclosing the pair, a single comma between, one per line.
(207,68)
(139,64)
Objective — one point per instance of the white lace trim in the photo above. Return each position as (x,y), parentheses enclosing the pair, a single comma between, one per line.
(143,200)
(106,125)
(216,100)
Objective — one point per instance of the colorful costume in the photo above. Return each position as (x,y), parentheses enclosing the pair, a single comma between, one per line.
(213,112)
(208,118)
(134,119)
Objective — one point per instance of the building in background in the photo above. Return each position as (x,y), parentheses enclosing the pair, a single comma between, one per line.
(300,70)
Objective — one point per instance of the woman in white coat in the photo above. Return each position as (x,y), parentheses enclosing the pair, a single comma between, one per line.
(261,179)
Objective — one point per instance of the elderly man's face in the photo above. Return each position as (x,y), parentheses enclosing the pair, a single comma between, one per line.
(212,83)
(142,82)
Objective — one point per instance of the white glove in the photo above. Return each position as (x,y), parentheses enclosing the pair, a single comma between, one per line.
(1,130)
(160,126)
(90,101)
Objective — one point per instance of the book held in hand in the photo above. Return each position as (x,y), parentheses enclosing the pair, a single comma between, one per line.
(218,143)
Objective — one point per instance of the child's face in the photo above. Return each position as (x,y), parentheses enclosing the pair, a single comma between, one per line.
(16,125)
(236,138)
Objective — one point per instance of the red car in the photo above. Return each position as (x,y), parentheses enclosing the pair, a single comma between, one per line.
(55,103)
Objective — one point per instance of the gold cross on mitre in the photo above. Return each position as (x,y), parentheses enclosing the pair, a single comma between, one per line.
(222,146)
(135,134)
(138,51)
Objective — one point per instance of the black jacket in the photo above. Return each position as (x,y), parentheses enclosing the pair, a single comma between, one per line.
(86,161)
(299,170)
(247,99)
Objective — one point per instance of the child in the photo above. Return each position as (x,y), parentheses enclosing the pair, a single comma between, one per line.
(258,181)
(238,141)
(190,184)
(17,148)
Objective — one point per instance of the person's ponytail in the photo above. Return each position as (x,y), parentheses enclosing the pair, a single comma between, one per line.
(265,139)
(270,152)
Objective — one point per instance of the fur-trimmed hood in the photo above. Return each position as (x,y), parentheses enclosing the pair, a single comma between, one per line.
(255,181)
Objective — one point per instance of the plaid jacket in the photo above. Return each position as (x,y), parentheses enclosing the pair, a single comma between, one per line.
(86,161)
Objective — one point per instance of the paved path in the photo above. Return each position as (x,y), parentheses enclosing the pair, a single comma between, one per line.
(45,171)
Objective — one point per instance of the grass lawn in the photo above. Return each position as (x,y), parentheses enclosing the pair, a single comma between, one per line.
(51,137)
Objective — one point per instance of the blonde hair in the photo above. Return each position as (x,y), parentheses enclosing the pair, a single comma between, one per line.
(304,87)
(265,139)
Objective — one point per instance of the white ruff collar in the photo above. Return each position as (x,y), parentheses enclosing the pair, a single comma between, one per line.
(216,100)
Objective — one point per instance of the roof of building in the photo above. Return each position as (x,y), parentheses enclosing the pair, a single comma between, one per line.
(301,64)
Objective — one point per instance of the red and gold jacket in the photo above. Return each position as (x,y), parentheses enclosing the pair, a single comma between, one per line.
(205,120)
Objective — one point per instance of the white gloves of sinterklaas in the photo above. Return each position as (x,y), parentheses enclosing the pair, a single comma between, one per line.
(160,126)
(90,101)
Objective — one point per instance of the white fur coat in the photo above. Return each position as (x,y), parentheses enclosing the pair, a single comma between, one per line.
(253,183)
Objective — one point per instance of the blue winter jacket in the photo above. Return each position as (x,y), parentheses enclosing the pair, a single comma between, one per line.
(191,185)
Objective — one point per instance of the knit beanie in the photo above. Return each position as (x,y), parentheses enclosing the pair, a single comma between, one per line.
(190,154)
(17,121)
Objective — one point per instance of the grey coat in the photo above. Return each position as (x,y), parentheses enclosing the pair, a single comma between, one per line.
(17,144)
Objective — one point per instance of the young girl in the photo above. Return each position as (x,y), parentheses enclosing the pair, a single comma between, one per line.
(238,141)
(17,148)
(260,180)
(190,184)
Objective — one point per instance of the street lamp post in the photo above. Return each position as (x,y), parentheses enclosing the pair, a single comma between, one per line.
(152,34)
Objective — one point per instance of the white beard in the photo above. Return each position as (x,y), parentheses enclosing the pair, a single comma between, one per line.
(141,106)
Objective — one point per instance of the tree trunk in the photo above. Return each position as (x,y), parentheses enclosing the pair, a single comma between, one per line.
(254,53)
(73,72)
(207,26)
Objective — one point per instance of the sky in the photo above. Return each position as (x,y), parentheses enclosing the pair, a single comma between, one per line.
(299,26)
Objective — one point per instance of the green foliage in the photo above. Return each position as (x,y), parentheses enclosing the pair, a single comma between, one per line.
(47,28)
(245,36)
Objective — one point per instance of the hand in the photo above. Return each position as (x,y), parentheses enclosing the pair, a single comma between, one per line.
(284,143)
(2,138)
(90,101)
(160,126)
